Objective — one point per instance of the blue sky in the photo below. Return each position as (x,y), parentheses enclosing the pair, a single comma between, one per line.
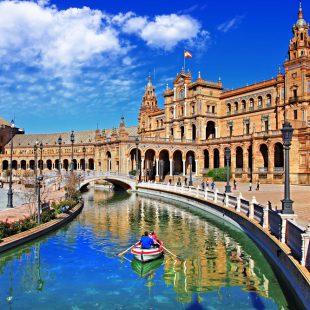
(76,65)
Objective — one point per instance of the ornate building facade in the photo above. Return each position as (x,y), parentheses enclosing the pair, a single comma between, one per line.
(199,120)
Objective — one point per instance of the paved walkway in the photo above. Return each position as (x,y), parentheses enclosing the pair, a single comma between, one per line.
(24,210)
(275,193)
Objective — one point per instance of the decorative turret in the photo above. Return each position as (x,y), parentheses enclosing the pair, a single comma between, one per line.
(300,43)
(148,105)
(122,132)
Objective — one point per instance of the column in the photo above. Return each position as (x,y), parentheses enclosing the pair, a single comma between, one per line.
(216,132)
(185,91)
(171,167)
(184,172)
(185,104)
(142,167)
(157,160)
(222,158)
(245,163)
(233,163)
(174,111)
(127,166)
(174,94)
(211,159)
(196,161)
(270,163)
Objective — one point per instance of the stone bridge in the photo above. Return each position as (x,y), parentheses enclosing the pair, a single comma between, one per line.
(120,181)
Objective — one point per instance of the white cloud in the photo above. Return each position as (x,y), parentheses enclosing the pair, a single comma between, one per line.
(230,24)
(32,32)
(165,31)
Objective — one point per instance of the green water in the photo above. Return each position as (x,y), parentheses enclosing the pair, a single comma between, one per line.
(77,267)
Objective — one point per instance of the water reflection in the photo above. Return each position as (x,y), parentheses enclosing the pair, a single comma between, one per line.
(208,271)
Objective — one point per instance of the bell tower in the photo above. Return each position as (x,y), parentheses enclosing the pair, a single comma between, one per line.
(300,43)
(297,70)
(148,105)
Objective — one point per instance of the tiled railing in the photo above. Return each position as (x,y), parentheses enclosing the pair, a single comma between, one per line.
(275,223)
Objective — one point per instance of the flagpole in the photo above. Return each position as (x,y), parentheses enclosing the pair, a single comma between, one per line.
(184,60)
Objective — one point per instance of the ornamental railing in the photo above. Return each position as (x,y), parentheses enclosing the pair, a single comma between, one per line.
(282,226)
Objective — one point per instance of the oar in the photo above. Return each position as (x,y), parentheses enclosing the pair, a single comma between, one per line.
(120,254)
(166,249)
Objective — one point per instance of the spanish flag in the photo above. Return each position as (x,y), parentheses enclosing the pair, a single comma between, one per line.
(187,54)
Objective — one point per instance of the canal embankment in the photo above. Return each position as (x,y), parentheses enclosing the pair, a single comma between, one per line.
(38,231)
(284,242)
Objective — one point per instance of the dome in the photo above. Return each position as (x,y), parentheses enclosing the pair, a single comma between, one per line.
(301,22)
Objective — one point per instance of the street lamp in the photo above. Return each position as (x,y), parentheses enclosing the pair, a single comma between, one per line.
(137,155)
(59,160)
(72,142)
(59,154)
(84,152)
(287,133)
(227,155)
(38,180)
(10,192)
(35,149)
(190,159)
(41,161)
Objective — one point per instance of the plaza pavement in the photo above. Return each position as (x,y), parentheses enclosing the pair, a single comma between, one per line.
(300,194)
(22,211)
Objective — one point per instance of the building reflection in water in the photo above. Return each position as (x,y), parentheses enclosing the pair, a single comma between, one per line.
(209,257)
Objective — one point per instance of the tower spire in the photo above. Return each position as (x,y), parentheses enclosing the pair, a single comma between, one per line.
(300,15)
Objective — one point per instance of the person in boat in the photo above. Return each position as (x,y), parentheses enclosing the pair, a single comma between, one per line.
(146,242)
(152,235)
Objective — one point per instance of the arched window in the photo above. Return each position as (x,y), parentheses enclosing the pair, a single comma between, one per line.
(228,108)
(243,105)
(260,102)
(268,100)
(251,104)
(236,107)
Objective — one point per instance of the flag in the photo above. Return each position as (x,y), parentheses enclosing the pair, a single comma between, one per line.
(187,54)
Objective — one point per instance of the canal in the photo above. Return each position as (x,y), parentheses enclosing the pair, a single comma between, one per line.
(77,267)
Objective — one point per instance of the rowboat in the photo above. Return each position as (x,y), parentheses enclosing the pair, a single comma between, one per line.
(144,269)
(146,255)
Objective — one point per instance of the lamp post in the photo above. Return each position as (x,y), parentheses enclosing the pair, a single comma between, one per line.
(10,191)
(137,160)
(41,161)
(35,149)
(190,159)
(84,152)
(59,160)
(72,142)
(38,180)
(227,155)
(287,133)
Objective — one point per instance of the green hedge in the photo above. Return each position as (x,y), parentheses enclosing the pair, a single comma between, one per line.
(218,174)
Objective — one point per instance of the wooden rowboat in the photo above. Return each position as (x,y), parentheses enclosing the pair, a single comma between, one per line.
(146,255)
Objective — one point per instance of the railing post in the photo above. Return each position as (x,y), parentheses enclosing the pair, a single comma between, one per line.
(251,207)
(215,195)
(284,218)
(305,245)
(206,194)
(238,207)
(266,216)
(226,200)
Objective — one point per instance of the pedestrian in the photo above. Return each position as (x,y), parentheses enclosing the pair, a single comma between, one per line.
(212,185)
(269,205)
(207,183)
(179,182)
(257,185)
(185,181)
(203,185)
(235,185)
(169,181)
(250,185)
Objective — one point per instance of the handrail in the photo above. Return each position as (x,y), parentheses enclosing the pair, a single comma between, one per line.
(295,236)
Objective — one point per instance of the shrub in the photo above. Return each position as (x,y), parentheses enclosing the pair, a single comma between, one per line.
(8,229)
(48,215)
(132,172)
(218,174)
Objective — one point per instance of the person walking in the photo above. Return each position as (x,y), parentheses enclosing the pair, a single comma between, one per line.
(235,184)
(185,181)
(257,185)
(212,185)
(250,186)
